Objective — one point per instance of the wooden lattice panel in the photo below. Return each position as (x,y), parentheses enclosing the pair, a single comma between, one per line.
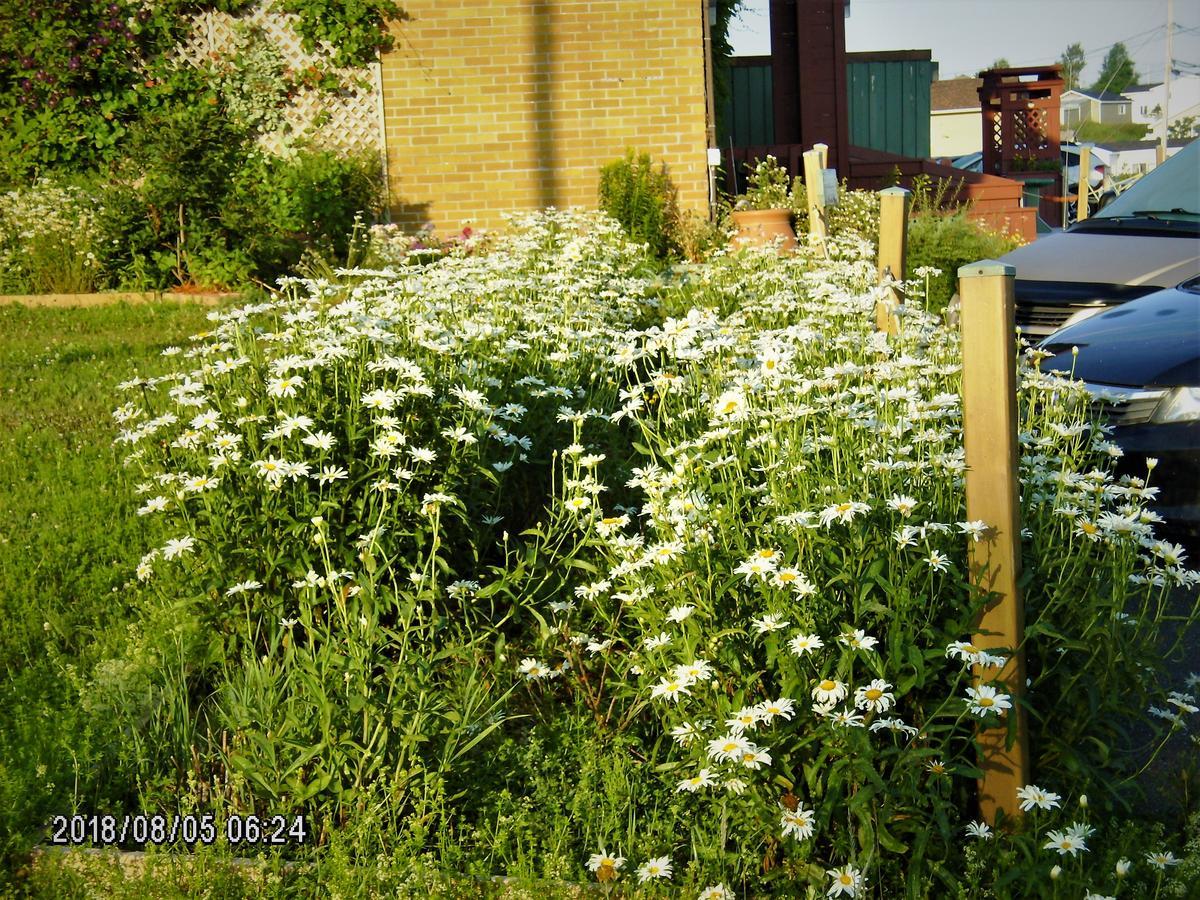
(348,120)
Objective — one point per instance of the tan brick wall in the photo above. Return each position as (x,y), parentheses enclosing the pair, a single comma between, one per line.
(499,105)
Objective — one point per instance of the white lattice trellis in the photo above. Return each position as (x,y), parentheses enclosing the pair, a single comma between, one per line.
(347,120)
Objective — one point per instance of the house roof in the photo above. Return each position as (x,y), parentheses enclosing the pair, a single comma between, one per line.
(955,93)
(1119,146)
(1139,88)
(1102,96)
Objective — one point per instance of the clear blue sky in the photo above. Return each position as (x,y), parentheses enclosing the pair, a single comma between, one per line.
(967,35)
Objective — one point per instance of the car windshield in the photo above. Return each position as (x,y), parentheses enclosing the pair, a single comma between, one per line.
(1171,191)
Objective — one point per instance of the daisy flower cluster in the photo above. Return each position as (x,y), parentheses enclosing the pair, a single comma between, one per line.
(711,508)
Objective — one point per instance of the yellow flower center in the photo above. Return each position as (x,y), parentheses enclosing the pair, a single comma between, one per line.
(874,694)
(766,554)
(787,576)
(826,685)
(843,507)
(1088,528)
(611,520)
(986,701)
(845,879)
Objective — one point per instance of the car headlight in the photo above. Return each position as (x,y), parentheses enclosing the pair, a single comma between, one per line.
(1182,404)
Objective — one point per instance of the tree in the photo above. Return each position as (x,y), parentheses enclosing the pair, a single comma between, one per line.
(1000,63)
(1183,127)
(1116,72)
(1072,61)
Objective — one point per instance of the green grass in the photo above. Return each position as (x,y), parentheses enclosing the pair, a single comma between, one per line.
(68,539)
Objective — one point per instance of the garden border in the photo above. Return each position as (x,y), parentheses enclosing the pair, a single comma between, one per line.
(113,297)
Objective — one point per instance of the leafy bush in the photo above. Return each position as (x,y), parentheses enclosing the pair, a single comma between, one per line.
(944,242)
(161,214)
(77,75)
(198,202)
(643,200)
(768,187)
(306,203)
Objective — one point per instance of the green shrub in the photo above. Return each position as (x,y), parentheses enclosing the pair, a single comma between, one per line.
(161,215)
(197,201)
(281,208)
(945,241)
(643,200)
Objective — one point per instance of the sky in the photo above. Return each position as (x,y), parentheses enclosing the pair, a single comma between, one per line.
(968,35)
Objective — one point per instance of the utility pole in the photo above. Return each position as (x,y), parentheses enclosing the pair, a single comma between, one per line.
(1166,104)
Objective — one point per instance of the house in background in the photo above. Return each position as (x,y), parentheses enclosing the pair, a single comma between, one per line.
(1138,157)
(1146,101)
(1105,107)
(955,117)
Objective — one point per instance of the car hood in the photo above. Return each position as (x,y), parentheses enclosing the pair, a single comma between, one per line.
(1162,260)
(1150,342)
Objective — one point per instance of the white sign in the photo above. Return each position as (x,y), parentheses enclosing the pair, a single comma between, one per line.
(714,156)
(829,186)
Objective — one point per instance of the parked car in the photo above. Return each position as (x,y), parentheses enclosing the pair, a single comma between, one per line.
(1141,362)
(1068,153)
(1146,239)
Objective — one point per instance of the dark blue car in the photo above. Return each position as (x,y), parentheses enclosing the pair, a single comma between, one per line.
(1141,361)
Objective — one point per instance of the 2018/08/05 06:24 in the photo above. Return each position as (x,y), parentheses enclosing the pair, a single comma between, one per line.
(140,830)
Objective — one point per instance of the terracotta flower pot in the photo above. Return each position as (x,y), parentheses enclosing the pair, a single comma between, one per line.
(762,226)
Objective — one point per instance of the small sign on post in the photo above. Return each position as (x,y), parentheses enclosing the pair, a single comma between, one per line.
(893,255)
(814,185)
(989,391)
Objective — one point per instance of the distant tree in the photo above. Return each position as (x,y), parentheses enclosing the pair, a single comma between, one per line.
(1183,127)
(1000,63)
(1072,61)
(1116,72)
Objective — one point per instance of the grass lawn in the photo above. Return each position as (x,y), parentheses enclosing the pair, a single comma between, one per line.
(68,536)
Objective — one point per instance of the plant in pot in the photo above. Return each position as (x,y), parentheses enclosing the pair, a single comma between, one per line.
(764,213)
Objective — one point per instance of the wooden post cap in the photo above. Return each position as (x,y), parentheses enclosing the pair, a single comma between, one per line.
(986,267)
(893,191)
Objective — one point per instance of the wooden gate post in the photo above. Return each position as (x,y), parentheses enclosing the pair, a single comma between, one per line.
(1084,189)
(989,386)
(814,184)
(823,150)
(893,255)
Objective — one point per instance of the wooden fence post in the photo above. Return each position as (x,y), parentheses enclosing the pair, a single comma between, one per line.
(1084,188)
(823,149)
(989,386)
(814,184)
(893,255)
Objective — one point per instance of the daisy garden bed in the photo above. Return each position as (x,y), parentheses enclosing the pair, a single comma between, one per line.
(534,560)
